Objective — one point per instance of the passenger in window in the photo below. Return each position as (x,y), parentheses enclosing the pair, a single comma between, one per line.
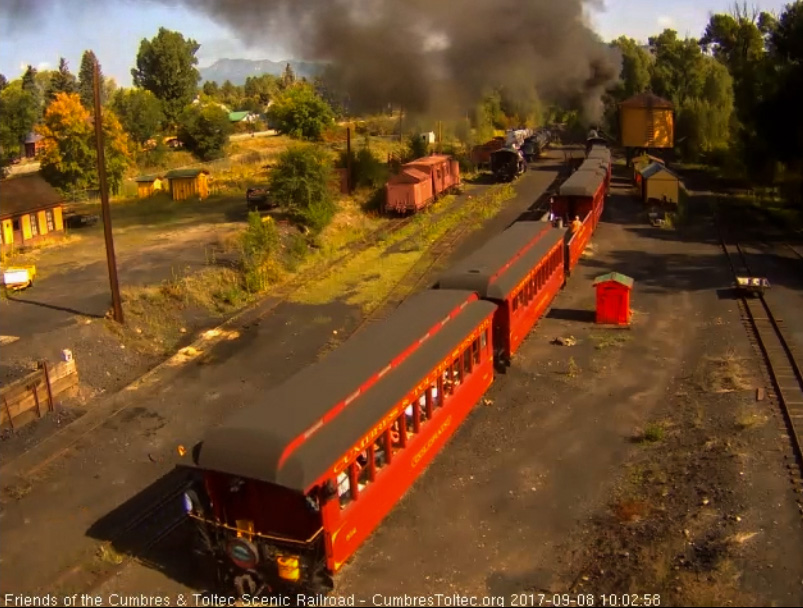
(343,487)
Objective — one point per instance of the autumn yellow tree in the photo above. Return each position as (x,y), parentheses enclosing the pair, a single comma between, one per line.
(68,159)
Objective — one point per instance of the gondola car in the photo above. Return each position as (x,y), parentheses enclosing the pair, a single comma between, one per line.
(507,164)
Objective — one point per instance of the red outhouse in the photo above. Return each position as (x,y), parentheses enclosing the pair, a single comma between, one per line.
(613,298)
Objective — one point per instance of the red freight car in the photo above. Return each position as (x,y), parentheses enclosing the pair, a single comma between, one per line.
(294,484)
(520,270)
(420,182)
(481,155)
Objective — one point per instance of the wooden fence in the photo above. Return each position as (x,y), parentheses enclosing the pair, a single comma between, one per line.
(33,396)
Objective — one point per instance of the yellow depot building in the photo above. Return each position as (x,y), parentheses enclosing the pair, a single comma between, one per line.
(647,123)
(30,209)
(185,183)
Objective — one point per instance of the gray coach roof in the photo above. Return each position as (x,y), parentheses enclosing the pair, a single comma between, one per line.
(494,270)
(251,442)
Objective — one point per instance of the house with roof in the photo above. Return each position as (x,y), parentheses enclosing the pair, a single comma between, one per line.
(185,183)
(33,145)
(659,183)
(148,185)
(30,209)
(243,117)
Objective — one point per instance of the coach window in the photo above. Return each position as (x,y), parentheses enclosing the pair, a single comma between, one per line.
(418,406)
(379,454)
(344,488)
(468,363)
(457,371)
(475,351)
(439,397)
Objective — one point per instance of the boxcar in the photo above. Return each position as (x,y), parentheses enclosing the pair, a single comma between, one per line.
(292,485)
(520,271)
(420,182)
(408,191)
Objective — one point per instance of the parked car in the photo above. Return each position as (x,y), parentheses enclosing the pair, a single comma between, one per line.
(257,198)
(80,220)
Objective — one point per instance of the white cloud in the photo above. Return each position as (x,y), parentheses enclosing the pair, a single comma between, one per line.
(665,21)
(44,65)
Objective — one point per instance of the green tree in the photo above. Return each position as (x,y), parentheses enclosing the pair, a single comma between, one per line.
(108,90)
(262,89)
(204,130)
(211,89)
(140,113)
(301,183)
(782,132)
(704,122)
(417,147)
(300,112)
(3,82)
(18,115)
(230,95)
(678,73)
(289,77)
(634,77)
(166,68)
(31,86)
(62,81)
(86,79)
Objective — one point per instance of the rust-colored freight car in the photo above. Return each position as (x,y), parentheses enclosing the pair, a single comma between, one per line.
(421,182)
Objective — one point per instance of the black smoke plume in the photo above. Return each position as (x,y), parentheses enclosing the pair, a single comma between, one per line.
(425,55)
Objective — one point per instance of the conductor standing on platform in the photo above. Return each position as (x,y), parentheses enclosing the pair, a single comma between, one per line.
(576,223)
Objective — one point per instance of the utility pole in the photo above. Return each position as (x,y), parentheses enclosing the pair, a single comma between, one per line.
(401,116)
(348,159)
(117,305)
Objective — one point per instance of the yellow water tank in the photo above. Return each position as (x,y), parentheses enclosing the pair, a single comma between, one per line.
(647,121)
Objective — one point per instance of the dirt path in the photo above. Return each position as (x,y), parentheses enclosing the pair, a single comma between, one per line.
(636,461)
(135,448)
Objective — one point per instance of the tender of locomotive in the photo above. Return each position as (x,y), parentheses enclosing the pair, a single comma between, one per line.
(507,164)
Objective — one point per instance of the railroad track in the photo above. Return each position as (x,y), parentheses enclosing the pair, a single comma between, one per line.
(164,517)
(768,336)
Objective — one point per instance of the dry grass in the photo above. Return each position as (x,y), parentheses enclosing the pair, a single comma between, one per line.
(106,554)
(750,417)
(610,339)
(154,319)
(631,510)
(724,374)
(30,254)
(366,278)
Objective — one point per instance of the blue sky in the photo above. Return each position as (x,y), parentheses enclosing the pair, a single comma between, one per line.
(113,29)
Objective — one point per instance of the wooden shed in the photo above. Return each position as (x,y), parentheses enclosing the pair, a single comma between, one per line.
(640,162)
(613,298)
(30,208)
(659,183)
(150,184)
(33,145)
(185,183)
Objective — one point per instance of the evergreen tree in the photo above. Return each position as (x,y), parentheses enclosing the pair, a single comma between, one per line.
(86,77)
(62,81)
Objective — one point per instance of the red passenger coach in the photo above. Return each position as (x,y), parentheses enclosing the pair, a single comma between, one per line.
(294,484)
(520,270)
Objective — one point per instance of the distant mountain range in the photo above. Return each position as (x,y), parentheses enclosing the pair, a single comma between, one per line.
(237,70)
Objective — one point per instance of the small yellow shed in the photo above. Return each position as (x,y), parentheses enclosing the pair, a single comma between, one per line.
(185,183)
(660,184)
(149,184)
(640,162)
